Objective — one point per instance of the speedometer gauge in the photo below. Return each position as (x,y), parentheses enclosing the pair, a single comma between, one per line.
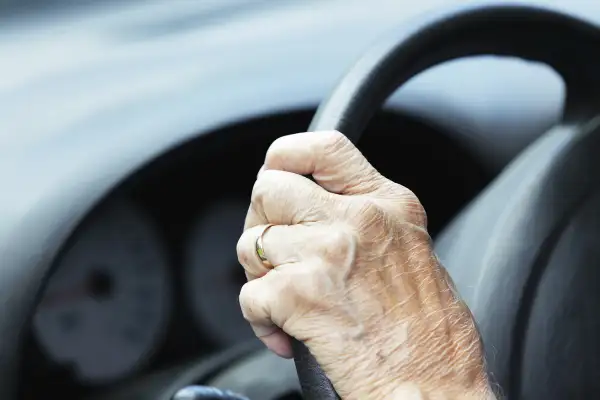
(213,275)
(106,306)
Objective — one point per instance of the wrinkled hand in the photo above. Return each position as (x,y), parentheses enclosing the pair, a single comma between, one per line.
(354,276)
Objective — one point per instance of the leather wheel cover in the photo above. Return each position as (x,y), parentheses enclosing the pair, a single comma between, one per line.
(492,260)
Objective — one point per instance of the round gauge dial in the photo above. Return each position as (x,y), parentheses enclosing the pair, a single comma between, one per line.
(107,304)
(213,275)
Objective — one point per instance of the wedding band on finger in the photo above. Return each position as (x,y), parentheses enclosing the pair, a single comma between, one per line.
(259,247)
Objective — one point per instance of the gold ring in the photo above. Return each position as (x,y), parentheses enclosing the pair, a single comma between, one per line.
(260,250)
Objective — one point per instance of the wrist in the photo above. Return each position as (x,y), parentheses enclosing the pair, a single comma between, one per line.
(371,381)
(410,391)
(430,367)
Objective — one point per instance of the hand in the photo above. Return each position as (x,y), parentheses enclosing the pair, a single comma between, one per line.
(352,274)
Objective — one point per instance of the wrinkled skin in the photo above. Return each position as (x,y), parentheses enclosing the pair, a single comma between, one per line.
(354,277)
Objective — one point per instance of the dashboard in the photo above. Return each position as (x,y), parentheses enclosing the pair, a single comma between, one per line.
(143,125)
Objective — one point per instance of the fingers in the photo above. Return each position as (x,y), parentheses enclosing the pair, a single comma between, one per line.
(307,260)
(288,244)
(274,303)
(281,244)
(257,298)
(285,198)
(333,161)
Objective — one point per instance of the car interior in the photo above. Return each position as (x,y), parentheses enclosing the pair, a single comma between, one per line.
(171,192)
(132,133)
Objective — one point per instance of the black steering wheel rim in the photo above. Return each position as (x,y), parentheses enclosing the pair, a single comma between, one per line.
(533,33)
(565,43)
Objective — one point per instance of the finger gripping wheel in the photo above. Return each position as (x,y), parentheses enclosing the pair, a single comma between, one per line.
(565,43)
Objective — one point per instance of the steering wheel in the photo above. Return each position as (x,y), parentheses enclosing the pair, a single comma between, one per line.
(519,253)
(498,262)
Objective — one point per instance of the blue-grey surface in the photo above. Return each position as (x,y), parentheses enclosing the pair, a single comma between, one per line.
(175,69)
(263,376)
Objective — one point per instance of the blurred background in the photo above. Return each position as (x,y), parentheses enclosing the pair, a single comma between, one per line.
(177,101)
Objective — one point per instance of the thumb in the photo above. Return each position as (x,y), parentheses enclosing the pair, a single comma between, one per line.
(330,157)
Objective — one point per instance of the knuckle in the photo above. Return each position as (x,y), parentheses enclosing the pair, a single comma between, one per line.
(265,184)
(338,243)
(372,219)
(281,148)
(307,286)
(261,297)
(254,299)
(248,300)
(370,211)
(259,190)
(412,208)
(247,293)
(277,151)
(282,285)
(334,140)
(408,195)
(334,136)
(272,188)
(242,248)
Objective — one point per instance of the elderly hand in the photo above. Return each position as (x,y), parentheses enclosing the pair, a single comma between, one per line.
(352,274)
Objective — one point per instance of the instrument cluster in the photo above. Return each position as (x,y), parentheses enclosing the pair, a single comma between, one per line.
(124,300)
(212,274)
(107,306)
